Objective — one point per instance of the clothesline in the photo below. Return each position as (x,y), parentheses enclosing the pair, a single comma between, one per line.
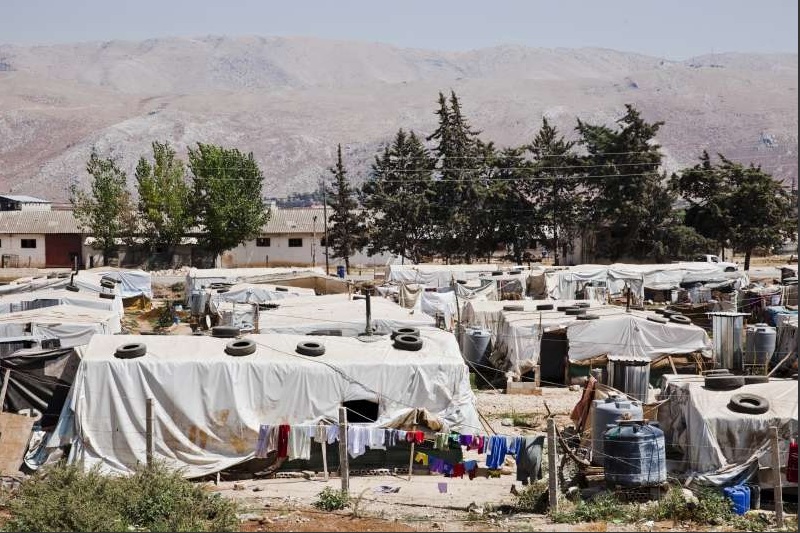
(294,442)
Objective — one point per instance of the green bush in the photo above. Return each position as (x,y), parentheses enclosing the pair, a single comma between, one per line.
(533,498)
(331,500)
(65,498)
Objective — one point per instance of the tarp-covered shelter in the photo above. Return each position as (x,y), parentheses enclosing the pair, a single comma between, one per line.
(131,283)
(258,294)
(208,406)
(24,301)
(518,337)
(338,311)
(721,446)
(74,326)
(314,278)
(431,275)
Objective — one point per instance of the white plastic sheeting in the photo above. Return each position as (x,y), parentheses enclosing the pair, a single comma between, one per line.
(712,437)
(75,326)
(198,278)
(209,406)
(516,335)
(564,283)
(132,283)
(259,294)
(437,275)
(337,311)
(60,297)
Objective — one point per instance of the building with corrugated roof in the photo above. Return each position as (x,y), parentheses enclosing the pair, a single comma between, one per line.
(39,238)
(18,202)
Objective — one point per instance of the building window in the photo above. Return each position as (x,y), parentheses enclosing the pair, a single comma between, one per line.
(28,243)
(322,241)
(296,243)
(263,242)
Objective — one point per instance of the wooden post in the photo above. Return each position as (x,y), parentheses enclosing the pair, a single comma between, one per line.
(537,377)
(413,446)
(344,466)
(6,377)
(149,431)
(672,364)
(325,457)
(776,476)
(552,484)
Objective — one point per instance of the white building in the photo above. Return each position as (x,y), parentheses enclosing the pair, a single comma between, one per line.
(10,202)
(38,238)
(293,237)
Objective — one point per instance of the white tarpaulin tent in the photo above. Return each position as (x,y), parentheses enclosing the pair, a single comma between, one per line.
(258,294)
(73,325)
(714,439)
(564,283)
(132,283)
(337,311)
(49,297)
(208,406)
(516,335)
(199,278)
(437,275)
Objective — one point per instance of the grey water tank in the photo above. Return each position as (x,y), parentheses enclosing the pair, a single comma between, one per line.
(759,344)
(476,344)
(609,411)
(635,454)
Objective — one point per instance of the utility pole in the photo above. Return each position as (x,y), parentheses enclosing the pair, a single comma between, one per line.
(314,243)
(325,216)
(555,222)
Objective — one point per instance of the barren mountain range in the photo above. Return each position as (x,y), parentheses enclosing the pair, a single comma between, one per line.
(291,100)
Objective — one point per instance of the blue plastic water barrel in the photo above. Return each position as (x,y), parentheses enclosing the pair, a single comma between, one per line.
(340,271)
(634,454)
(740,496)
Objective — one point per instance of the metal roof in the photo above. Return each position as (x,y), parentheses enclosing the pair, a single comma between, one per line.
(38,222)
(24,199)
(296,220)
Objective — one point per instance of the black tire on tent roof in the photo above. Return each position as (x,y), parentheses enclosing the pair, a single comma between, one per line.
(497,273)
(544,307)
(107,284)
(72,288)
(575,311)
(583,305)
(130,351)
(657,319)
(240,347)
(723,382)
(107,296)
(326,332)
(310,348)
(562,308)
(513,308)
(461,281)
(749,404)
(225,332)
(414,332)
(717,372)
(680,319)
(408,343)
(109,279)
(222,291)
(754,380)
(587,317)
(281,289)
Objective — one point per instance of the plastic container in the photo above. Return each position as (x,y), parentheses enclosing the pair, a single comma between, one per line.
(740,496)
(759,344)
(635,454)
(791,464)
(340,271)
(608,412)
(476,344)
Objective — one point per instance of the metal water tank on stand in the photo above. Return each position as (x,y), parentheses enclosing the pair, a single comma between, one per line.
(630,374)
(476,345)
(759,344)
(727,328)
(607,412)
(635,454)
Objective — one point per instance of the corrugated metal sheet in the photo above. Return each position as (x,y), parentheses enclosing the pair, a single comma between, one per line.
(42,222)
(24,199)
(296,220)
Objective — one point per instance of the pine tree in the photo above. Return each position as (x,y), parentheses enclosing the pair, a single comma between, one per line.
(348,232)
(556,168)
(398,199)
(629,195)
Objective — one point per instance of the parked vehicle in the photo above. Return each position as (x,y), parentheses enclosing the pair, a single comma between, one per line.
(709,258)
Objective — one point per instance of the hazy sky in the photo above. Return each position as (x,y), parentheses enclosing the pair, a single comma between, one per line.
(676,29)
